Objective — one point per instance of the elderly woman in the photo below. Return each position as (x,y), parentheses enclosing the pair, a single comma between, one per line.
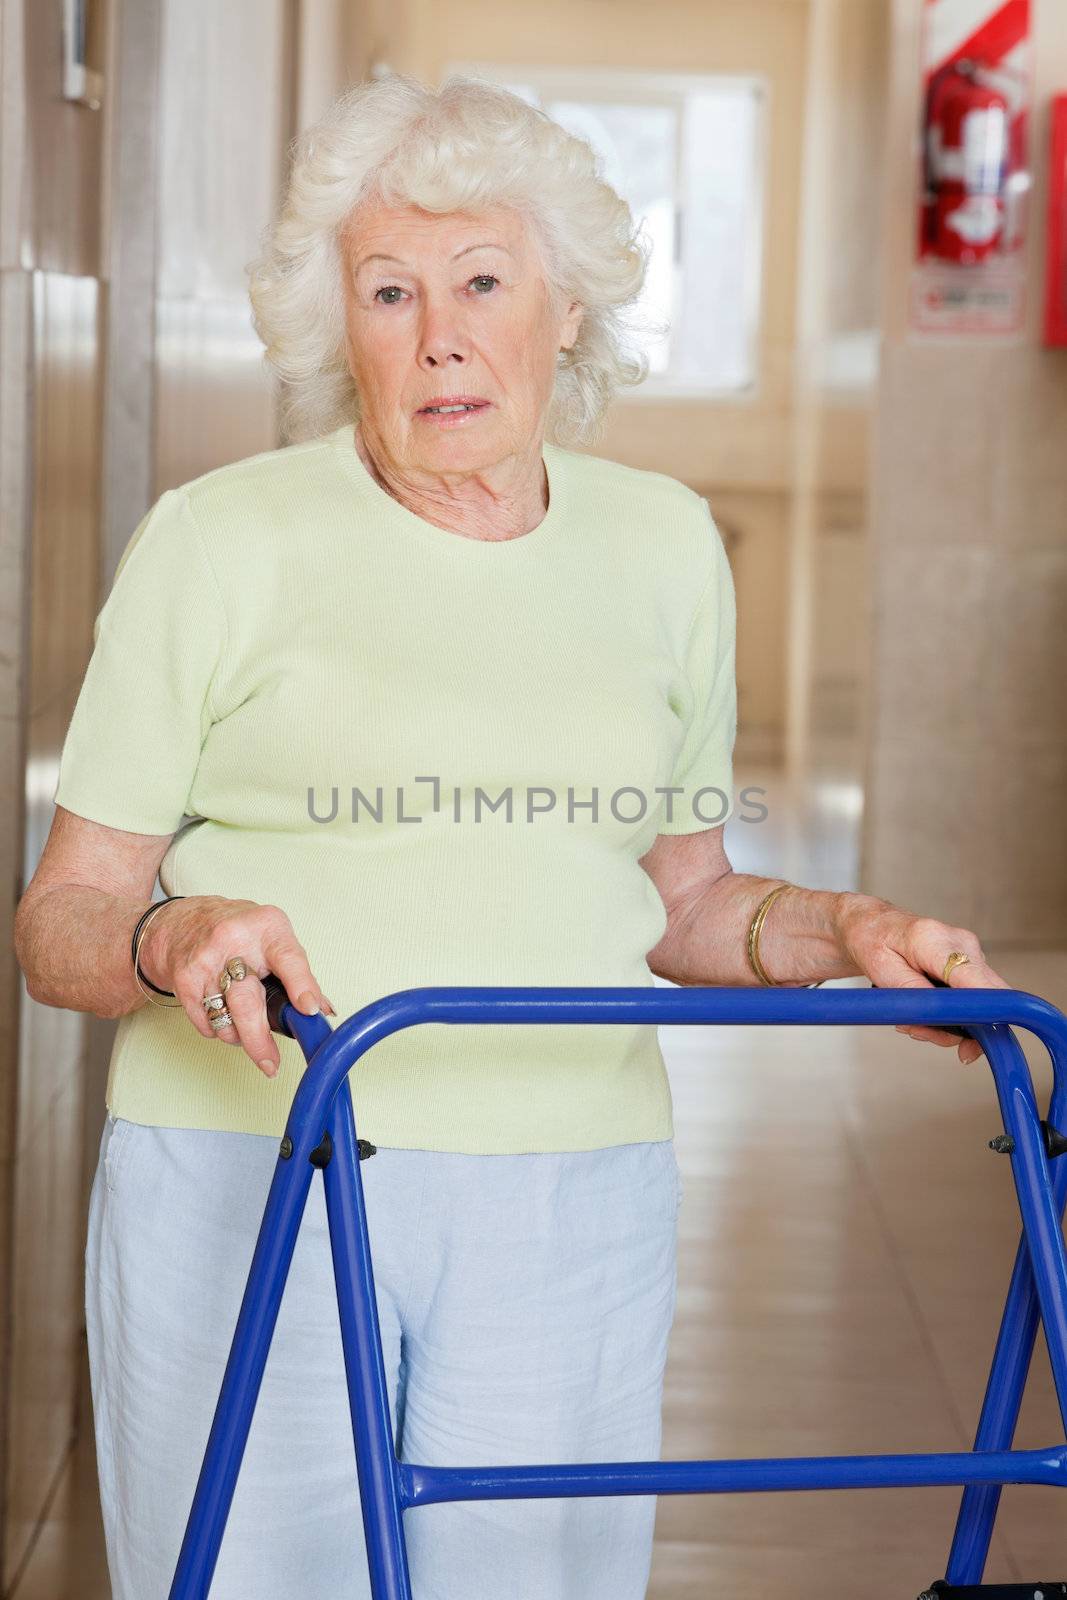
(425,697)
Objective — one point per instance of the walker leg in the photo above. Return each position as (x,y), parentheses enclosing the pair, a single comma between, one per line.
(1018,1327)
(258,1316)
(1000,1414)
(368,1394)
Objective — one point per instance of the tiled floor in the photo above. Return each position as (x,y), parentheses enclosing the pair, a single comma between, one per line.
(846,1239)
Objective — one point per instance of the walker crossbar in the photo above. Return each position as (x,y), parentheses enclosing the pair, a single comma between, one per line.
(321,1131)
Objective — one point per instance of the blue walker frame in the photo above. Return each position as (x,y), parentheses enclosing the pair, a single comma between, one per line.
(321,1132)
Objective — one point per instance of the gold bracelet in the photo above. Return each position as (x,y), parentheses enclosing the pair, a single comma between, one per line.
(137,957)
(754,933)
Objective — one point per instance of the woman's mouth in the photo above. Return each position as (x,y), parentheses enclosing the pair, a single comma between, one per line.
(452,413)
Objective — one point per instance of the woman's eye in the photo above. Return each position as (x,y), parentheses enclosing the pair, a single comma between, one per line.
(394,289)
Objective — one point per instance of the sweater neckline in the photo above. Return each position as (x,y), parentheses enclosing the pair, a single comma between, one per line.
(343,440)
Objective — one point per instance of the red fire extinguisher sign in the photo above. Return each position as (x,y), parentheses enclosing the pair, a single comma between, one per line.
(976,95)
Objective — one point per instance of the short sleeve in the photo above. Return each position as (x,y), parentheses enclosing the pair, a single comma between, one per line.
(703,771)
(145,705)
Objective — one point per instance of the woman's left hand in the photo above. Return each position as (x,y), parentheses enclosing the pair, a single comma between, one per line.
(898,950)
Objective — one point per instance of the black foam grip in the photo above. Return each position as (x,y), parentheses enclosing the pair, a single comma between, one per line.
(276,997)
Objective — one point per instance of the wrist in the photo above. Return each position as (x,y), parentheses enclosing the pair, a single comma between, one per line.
(153,948)
(816,923)
(796,936)
(851,911)
(811,938)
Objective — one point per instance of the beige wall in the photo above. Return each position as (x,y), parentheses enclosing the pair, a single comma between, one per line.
(967,779)
(149,269)
(838,306)
(53,298)
(227,83)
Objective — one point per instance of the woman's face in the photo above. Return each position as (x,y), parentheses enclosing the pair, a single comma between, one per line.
(458,306)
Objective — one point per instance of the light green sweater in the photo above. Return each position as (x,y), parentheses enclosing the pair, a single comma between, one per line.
(283,625)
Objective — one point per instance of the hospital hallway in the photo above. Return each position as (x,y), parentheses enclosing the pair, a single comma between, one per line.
(845,1243)
(812,357)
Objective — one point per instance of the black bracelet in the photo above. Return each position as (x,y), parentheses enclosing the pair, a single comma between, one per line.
(133,943)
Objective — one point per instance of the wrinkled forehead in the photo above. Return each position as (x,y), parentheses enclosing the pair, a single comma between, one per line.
(381,234)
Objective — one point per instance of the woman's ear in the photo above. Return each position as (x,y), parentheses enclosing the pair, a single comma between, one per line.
(571,323)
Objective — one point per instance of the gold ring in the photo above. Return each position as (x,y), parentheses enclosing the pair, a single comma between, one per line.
(956,959)
(234,969)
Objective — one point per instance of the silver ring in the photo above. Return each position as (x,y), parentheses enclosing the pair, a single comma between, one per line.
(213,1003)
(222,1020)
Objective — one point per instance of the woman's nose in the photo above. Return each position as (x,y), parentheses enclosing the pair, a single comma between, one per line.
(441,335)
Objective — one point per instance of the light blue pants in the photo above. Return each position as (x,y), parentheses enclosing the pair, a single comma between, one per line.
(525,1304)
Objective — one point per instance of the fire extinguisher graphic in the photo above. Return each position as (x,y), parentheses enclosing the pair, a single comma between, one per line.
(966,159)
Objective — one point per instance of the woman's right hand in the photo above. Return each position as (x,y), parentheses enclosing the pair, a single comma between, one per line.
(186,945)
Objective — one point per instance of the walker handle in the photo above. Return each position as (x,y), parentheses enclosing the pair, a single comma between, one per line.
(961,1033)
(276,997)
(942,1027)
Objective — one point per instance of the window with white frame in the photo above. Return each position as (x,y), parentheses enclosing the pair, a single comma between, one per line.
(686,152)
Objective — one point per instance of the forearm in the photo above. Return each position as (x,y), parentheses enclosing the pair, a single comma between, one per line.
(707,940)
(73,945)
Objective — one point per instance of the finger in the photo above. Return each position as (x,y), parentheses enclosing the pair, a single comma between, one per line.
(229,1034)
(928,1035)
(289,963)
(970,974)
(246,1003)
(191,989)
(974,973)
(941,941)
(894,972)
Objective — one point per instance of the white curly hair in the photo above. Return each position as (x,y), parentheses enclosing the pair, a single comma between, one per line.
(465,146)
